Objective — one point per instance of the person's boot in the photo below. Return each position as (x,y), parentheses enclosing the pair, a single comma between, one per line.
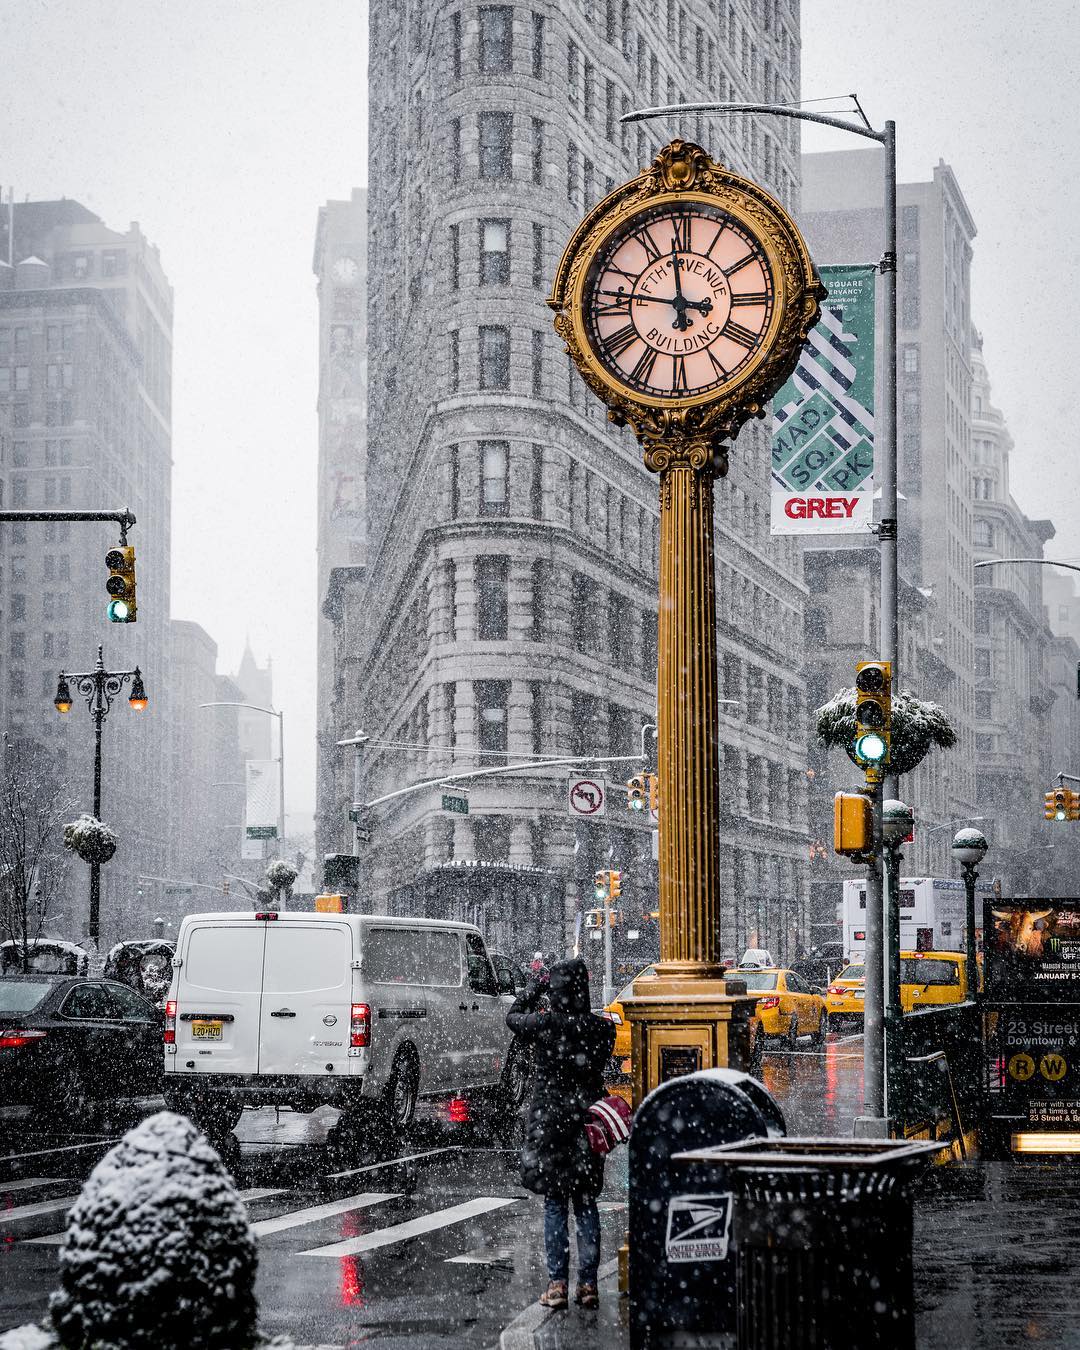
(555,1295)
(587,1295)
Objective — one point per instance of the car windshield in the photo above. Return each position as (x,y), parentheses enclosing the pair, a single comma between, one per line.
(920,970)
(756,979)
(853,973)
(19,996)
(627,990)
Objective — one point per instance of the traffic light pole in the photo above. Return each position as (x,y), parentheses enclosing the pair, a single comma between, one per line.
(870,1123)
(123,518)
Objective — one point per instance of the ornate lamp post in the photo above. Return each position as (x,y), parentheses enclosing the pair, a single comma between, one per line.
(684,299)
(969,848)
(99,687)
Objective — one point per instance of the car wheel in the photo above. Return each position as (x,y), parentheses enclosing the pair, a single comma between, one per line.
(822,1030)
(515,1078)
(400,1096)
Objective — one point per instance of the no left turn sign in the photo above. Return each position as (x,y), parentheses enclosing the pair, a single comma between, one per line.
(586,796)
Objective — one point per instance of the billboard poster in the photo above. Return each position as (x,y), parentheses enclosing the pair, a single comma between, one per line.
(1032,950)
(823,417)
(1040,1059)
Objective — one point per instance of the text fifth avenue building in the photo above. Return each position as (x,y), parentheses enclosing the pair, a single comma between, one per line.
(504,608)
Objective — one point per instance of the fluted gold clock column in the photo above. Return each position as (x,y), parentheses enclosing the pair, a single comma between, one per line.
(687,715)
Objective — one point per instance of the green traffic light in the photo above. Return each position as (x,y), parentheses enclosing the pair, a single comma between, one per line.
(119,611)
(871,748)
(637,804)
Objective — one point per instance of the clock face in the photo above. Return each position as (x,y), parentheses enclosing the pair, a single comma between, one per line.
(346,270)
(678,300)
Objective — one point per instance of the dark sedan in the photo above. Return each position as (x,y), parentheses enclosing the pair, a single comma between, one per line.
(68,1044)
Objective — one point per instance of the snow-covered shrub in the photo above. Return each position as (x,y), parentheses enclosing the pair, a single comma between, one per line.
(93,841)
(917,725)
(158,1252)
(280,875)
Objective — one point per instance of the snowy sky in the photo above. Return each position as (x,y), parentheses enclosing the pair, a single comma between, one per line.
(222,127)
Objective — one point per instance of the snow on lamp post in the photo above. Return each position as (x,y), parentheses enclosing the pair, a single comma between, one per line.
(280,876)
(969,847)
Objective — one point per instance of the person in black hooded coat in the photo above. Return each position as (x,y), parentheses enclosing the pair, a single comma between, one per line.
(570,1049)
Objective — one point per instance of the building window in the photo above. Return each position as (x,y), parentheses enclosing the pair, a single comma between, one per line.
(22,379)
(983,705)
(454,359)
(494,357)
(20,455)
(455,257)
(5,379)
(455,45)
(537,150)
(536,485)
(538,256)
(455,149)
(982,619)
(536,716)
(491,700)
(496,39)
(537,363)
(982,662)
(984,744)
(572,59)
(450,584)
(583,613)
(983,534)
(18,610)
(491,834)
(571,173)
(494,472)
(618,617)
(609,111)
(911,359)
(491,599)
(620,730)
(113,262)
(909,222)
(496,131)
(584,716)
(22,341)
(590,91)
(648,645)
(538,46)
(20,491)
(494,252)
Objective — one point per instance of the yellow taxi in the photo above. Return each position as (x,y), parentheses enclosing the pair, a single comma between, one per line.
(844,997)
(614,1013)
(929,979)
(787,1007)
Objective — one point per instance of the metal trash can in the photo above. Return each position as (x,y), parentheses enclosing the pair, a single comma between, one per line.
(682,1265)
(823,1236)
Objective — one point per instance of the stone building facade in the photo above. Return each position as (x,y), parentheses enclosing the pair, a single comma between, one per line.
(507,612)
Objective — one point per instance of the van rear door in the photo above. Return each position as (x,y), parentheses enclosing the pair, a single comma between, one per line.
(307,993)
(219,997)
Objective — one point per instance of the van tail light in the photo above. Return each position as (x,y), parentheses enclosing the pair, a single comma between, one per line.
(360,1026)
(768,1002)
(16,1038)
(459,1111)
(168,1035)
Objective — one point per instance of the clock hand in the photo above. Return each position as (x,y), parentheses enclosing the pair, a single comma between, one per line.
(681,322)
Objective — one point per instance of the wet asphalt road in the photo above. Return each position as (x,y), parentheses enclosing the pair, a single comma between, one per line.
(440,1247)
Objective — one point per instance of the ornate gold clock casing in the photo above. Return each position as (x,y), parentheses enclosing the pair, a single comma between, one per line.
(684,298)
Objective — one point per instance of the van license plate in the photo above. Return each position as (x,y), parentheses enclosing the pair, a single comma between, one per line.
(206,1031)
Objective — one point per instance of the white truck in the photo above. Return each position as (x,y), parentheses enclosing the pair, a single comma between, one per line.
(932,914)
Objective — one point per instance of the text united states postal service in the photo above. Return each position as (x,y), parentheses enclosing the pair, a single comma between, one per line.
(823,417)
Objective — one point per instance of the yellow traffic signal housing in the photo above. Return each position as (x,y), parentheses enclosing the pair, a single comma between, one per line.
(331,904)
(853,823)
(635,793)
(654,791)
(614,886)
(1061,804)
(873,712)
(1049,805)
(1072,806)
(121,584)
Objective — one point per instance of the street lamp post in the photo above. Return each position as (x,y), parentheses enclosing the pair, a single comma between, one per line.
(281,756)
(969,848)
(99,687)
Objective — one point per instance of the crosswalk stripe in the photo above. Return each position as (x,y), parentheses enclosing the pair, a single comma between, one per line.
(483,1256)
(55,1239)
(391,1162)
(27,1183)
(400,1232)
(42,1207)
(294,1218)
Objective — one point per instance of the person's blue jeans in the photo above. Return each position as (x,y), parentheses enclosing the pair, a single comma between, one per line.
(557,1236)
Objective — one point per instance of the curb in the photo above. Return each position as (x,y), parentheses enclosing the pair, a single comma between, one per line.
(520,1334)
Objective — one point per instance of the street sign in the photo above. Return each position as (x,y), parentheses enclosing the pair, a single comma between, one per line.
(459,805)
(586,796)
(261,831)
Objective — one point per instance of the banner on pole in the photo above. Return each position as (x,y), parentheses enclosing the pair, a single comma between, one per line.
(823,417)
(261,799)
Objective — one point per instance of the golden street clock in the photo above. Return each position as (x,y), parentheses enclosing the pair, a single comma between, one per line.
(684,298)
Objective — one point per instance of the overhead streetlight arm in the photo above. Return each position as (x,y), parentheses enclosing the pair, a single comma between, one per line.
(1039,562)
(777,109)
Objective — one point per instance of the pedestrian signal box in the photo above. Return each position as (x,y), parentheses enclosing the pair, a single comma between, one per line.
(331,904)
(853,824)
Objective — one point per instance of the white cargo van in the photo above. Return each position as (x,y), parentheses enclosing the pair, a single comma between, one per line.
(302,1010)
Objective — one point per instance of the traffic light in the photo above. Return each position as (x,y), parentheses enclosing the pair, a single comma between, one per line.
(121,584)
(614,886)
(636,792)
(853,824)
(600,885)
(654,791)
(1061,803)
(1072,805)
(873,713)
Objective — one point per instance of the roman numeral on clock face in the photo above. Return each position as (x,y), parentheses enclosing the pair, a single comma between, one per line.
(616,343)
(743,336)
(678,373)
(680,233)
(645,239)
(644,368)
(613,308)
(750,298)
